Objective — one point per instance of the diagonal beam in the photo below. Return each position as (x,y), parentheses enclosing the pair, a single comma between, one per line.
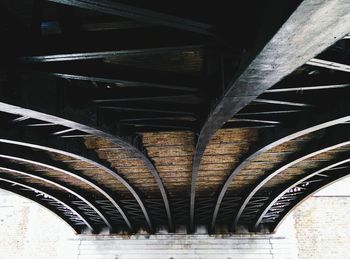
(160,98)
(23,171)
(83,46)
(335,58)
(32,158)
(308,88)
(139,14)
(121,76)
(278,194)
(329,64)
(64,55)
(16,182)
(161,109)
(277,102)
(324,22)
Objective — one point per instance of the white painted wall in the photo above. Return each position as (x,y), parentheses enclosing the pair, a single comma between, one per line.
(184,247)
(29,231)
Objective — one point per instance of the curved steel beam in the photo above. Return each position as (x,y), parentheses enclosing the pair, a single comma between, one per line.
(30,158)
(289,186)
(35,189)
(343,141)
(64,150)
(113,139)
(100,166)
(304,198)
(252,157)
(21,170)
(323,21)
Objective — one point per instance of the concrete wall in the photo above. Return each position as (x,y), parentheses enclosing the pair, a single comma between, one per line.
(318,229)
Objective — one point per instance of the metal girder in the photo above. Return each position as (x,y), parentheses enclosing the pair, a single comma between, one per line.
(335,58)
(119,75)
(334,139)
(329,64)
(254,121)
(309,78)
(269,101)
(139,14)
(324,22)
(247,125)
(17,182)
(43,161)
(85,55)
(263,113)
(308,88)
(186,98)
(298,133)
(183,110)
(333,176)
(24,171)
(27,113)
(83,46)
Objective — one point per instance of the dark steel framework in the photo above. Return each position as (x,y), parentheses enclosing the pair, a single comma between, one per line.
(109,69)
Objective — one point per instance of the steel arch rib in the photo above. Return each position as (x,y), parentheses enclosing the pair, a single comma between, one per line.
(118,141)
(278,171)
(45,179)
(284,53)
(289,186)
(241,166)
(107,170)
(28,186)
(75,175)
(280,220)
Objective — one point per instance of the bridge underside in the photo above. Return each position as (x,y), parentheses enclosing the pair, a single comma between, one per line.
(148,117)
